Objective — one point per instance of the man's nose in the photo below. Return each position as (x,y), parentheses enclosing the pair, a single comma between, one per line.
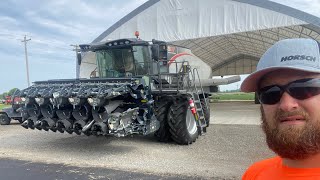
(288,103)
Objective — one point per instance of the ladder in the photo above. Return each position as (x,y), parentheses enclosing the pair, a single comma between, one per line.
(200,116)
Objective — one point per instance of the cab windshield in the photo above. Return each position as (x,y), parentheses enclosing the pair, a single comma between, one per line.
(124,62)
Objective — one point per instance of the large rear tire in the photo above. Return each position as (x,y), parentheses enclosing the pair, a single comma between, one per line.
(163,133)
(4,119)
(183,127)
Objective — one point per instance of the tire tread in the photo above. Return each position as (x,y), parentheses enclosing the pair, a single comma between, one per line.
(177,122)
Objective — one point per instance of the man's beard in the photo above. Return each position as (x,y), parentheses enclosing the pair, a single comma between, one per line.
(292,141)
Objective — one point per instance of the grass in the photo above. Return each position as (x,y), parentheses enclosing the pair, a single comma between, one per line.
(4,106)
(232,96)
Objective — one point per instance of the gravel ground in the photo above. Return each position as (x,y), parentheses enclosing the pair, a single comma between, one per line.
(223,153)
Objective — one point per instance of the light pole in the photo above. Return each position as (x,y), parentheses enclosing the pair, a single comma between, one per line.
(25,40)
(77,64)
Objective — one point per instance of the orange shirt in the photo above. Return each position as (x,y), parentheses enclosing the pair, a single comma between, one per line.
(272,169)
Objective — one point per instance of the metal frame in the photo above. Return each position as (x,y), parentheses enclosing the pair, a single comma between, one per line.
(218,50)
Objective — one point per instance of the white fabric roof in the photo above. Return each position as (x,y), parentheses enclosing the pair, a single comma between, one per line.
(229,35)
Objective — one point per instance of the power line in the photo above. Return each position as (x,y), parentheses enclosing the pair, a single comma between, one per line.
(25,40)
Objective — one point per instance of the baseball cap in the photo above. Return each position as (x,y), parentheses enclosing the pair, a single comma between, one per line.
(299,54)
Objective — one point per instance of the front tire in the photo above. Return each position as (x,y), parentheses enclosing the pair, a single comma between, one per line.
(183,127)
(163,133)
(4,119)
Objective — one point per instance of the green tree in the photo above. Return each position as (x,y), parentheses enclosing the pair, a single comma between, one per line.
(3,95)
(10,93)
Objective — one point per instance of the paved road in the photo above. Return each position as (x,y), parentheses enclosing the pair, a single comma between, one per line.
(228,148)
(241,112)
(17,169)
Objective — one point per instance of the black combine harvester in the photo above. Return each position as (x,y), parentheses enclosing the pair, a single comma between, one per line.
(137,89)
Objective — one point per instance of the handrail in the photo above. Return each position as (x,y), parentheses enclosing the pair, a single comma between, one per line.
(196,70)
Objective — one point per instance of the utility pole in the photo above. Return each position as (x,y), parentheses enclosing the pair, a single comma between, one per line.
(25,40)
(77,64)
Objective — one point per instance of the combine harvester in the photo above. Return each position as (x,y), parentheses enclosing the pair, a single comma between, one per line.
(130,87)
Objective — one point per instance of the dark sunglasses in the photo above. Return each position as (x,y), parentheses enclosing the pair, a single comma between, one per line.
(300,89)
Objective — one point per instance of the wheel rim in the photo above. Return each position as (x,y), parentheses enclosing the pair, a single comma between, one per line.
(191,122)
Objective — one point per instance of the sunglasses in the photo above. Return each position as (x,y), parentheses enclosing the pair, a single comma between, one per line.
(300,89)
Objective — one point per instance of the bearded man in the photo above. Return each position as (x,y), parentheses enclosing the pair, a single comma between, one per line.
(287,82)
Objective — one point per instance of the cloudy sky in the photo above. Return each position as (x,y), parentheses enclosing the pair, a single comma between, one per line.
(54,25)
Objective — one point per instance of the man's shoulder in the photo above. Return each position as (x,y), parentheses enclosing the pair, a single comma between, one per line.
(258,167)
(267,162)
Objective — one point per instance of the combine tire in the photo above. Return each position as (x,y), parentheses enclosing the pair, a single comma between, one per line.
(182,123)
(163,133)
(4,119)
(206,111)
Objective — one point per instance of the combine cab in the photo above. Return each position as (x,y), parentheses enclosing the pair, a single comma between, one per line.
(136,87)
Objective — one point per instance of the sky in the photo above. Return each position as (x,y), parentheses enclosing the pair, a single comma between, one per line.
(54,25)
